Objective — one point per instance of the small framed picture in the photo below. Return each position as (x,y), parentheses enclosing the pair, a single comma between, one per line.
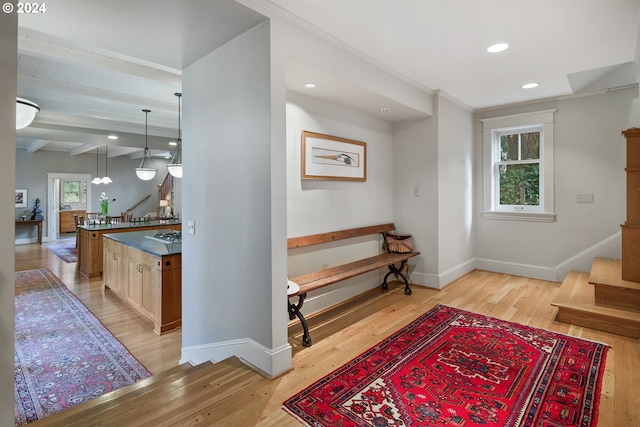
(333,158)
(21,198)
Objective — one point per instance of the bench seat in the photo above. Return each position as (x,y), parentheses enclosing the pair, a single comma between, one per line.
(319,279)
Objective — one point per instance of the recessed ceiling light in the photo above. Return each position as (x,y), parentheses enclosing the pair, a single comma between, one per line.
(112,137)
(498,47)
(530,85)
(309,85)
(173,143)
(383,109)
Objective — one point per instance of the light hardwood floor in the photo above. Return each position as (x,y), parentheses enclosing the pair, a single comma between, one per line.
(242,397)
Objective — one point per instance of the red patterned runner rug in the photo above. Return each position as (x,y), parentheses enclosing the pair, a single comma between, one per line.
(451,367)
(63,354)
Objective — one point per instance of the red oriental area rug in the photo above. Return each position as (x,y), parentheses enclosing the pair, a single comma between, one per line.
(64,356)
(456,368)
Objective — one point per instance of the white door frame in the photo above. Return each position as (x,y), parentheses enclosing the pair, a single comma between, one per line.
(54,199)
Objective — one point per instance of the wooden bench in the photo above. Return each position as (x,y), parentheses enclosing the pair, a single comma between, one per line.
(318,279)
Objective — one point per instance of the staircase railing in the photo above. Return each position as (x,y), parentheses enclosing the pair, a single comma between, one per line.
(128,212)
(164,190)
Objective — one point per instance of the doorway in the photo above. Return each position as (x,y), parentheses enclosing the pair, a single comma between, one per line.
(65,191)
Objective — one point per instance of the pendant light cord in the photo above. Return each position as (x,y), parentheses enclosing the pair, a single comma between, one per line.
(146,130)
(179,95)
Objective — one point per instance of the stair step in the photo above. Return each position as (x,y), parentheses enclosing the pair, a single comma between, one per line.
(610,289)
(576,305)
(109,401)
(156,405)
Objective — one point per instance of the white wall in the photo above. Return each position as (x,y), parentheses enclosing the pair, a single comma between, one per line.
(227,264)
(455,191)
(8,86)
(433,191)
(589,158)
(415,168)
(317,206)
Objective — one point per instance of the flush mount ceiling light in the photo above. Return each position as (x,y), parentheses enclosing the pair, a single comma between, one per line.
(113,137)
(530,85)
(498,47)
(175,165)
(147,169)
(25,112)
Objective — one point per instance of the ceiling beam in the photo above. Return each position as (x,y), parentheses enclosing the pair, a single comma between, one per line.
(66,88)
(115,62)
(36,145)
(81,149)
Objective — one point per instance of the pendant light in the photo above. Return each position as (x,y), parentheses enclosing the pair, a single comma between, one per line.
(25,112)
(96,180)
(106,179)
(147,169)
(175,165)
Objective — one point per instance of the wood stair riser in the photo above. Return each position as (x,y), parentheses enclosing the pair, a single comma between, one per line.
(612,296)
(589,319)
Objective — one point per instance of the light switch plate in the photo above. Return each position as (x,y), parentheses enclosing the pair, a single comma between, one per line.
(584,198)
(191,227)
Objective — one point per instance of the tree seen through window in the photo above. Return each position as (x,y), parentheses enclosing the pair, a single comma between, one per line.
(519,169)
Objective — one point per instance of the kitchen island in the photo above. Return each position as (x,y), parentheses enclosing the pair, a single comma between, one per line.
(144,268)
(90,240)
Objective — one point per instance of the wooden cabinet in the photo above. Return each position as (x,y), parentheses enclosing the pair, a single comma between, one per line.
(150,284)
(67,224)
(631,229)
(90,245)
(115,264)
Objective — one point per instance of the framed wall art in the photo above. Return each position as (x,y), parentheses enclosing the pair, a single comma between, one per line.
(333,158)
(21,198)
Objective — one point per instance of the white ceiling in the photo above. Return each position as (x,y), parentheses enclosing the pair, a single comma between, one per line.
(93,66)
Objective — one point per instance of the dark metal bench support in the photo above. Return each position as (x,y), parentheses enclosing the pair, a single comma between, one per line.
(397,272)
(294,311)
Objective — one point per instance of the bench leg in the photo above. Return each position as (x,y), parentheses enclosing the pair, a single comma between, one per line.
(294,311)
(397,272)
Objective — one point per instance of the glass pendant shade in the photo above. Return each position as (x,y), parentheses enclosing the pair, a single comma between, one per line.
(25,112)
(175,165)
(147,169)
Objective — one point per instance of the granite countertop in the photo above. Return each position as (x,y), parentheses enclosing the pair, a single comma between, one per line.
(134,224)
(140,240)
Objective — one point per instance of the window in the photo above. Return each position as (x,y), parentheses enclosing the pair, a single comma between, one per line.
(74,192)
(518,167)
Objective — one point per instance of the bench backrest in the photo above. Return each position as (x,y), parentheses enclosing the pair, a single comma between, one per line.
(332,236)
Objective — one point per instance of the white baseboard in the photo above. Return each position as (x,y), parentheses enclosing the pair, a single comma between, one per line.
(268,362)
(27,241)
(517,269)
(607,248)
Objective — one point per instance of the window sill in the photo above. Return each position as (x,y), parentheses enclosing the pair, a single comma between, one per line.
(520,216)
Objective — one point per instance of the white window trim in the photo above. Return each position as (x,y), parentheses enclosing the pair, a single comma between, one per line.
(491,125)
